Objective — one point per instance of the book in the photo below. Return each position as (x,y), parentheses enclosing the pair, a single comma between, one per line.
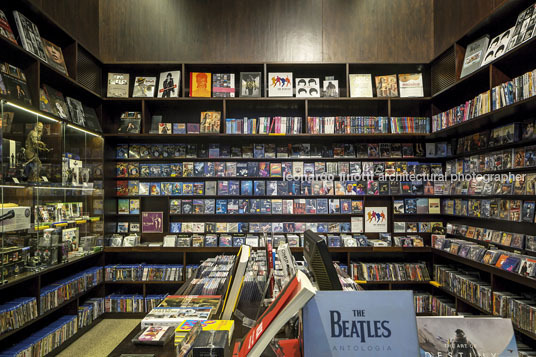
(411,85)
(210,122)
(524,28)
(307,87)
(386,86)
(144,87)
(29,36)
(13,83)
(250,84)
(474,54)
(361,85)
(280,84)
(5,29)
(498,46)
(223,85)
(77,111)
(59,107)
(118,85)
(55,56)
(200,84)
(44,102)
(92,121)
(235,282)
(168,85)
(289,301)
(330,88)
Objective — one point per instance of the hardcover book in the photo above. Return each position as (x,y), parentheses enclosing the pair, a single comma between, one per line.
(118,85)
(5,29)
(498,46)
(55,56)
(250,84)
(144,87)
(210,122)
(280,84)
(168,85)
(474,54)
(223,85)
(307,87)
(386,86)
(29,36)
(361,85)
(200,84)
(411,85)
(77,111)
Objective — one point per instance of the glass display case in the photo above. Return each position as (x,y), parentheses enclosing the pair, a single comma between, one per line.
(51,208)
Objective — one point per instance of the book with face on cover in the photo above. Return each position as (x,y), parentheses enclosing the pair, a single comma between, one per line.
(144,87)
(168,85)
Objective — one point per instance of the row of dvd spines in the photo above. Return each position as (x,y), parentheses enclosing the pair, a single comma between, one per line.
(512,262)
(131,302)
(265,169)
(143,272)
(89,311)
(507,239)
(44,341)
(389,271)
(507,93)
(17,312)
(280,151)
(520,308)
(55,294)
(426,303)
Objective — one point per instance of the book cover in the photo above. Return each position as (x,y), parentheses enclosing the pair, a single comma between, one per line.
(386,86)
(5,29)
(307,87)
(55,56)
(250,84)
(474,54)
(223,85)
(168,85)
(361,85)
(152,222)
(210,122)
(200,84)
(144,87)
(280,84)
(118,85)
(29,36)
(330,88)
(411,85)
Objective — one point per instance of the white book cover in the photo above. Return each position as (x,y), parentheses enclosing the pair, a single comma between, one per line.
(117,85)
(356,224)
(307,87)
(498,46)
(168,85)
(144,87)
(361,85)
(410,85)
(280,84)
(474,54)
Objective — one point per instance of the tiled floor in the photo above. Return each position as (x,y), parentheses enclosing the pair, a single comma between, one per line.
(101,339)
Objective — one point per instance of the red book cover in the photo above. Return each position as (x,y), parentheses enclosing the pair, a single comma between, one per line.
(268,316)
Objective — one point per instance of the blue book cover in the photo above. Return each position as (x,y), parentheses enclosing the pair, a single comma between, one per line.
(360,323)
(247,188)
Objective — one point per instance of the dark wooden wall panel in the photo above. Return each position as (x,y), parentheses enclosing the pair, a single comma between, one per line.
(211,31)
(266,31)
(453,18)
(375,31)
(80,18)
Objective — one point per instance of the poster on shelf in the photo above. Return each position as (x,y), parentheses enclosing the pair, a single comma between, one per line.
(360,323)
(376,219)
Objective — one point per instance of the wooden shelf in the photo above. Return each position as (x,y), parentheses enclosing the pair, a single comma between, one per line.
(151,282)
(379,250)
(519,279)
(475,124)
(47,313)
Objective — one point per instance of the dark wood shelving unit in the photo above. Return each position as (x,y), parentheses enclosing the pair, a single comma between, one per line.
(87,82)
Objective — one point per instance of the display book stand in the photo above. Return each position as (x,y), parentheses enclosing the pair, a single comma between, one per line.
(443,90)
